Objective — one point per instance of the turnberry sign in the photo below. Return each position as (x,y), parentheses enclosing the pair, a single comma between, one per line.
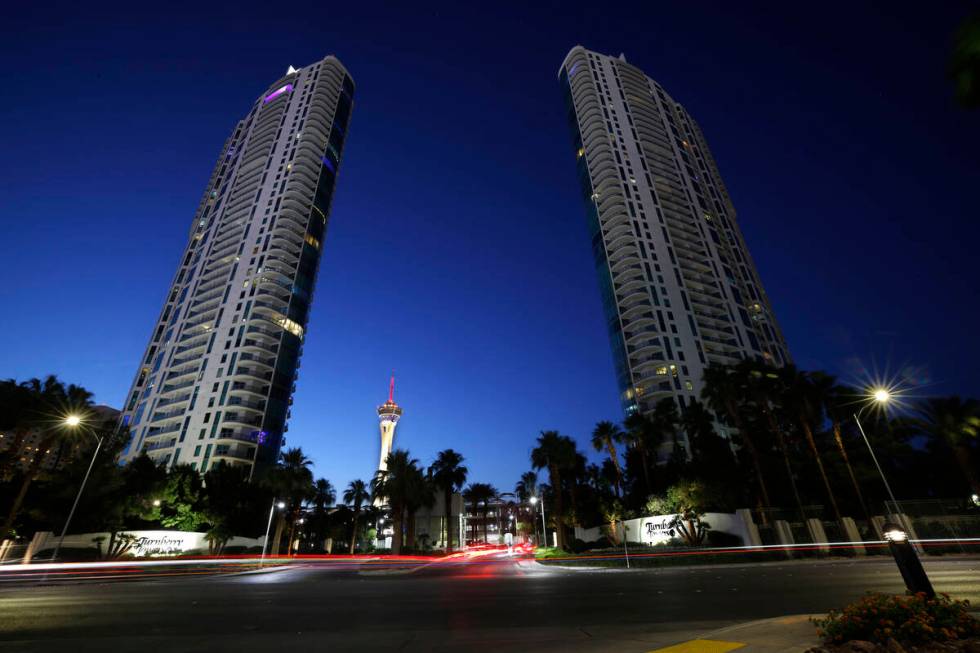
(168,544)
(657,530)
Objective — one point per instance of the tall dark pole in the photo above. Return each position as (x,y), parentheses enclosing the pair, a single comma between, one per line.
(78,497)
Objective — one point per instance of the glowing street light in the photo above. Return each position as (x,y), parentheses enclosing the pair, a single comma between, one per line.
(73,422)
(881,396)
(272,509)
(156,503)
(544,527)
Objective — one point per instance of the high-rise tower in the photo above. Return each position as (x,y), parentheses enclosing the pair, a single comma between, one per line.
(216,379)
(388,415)
(678,286)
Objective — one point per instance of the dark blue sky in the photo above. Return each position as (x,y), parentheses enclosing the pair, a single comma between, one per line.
(457,250)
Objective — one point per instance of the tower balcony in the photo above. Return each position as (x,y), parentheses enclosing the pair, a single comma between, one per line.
(252,373)
(255,389)
(245,419)
(155,432)
(259,345)
(156,446)
(174,400)
(239,402)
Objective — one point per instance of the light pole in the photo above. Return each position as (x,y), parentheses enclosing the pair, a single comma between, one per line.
(73,422)
(544,527)
(272,509)
(882,397)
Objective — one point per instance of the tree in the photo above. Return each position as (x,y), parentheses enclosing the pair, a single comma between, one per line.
(837,401)
(355,495)
(448,474)
(605,436)
(710,452)
(688,501)
(642,437)
(479,495)
(323,494)
(723,390)
(964,63)
(422,493)
(955,423)
(291,481)
(54,402)
(182,503)
(804,400)
(396,486)
(527,487)
(763,388)
(556,453)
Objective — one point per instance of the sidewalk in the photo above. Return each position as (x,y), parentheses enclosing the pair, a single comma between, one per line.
(790,634)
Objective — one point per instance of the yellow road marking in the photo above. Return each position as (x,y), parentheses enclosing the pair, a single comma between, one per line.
(700,646)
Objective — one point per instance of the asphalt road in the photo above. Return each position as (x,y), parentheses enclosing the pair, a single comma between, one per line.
(488,605)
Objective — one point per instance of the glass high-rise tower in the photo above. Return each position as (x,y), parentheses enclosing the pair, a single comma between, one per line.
(679,288)
(216,380)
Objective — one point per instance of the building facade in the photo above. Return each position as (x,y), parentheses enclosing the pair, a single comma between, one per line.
(216,380)
(679,288)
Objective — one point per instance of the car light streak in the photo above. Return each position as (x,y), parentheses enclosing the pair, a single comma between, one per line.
(205,565)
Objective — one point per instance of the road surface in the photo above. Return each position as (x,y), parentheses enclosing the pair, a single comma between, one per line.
(490,604)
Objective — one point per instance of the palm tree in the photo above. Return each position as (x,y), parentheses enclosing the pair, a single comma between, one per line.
(448,474)
(722,392)
(355,495)
(764,387)
(556,452)
(527,487)
(19,414)
(292,481)
(605,436)
(964,63)
(480,495)
(54,402)
(956,423)
(323,494)
(422,493)
(395,486)
(837,400)
(641,435)
(805,400)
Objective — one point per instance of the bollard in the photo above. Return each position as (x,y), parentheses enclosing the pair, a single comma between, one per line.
(907,560)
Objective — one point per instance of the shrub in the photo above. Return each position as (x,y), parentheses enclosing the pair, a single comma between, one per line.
(550,552)
(912,619)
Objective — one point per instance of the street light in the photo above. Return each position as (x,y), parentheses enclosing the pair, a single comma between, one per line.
(156,503)
(272,509)
(544,527)
(880,396)
(73,422)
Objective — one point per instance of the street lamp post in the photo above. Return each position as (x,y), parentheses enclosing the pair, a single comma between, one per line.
(272,509)
(882,397)
(544,527)
(74,421)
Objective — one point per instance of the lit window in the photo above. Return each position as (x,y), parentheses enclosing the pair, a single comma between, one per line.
(293,327)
